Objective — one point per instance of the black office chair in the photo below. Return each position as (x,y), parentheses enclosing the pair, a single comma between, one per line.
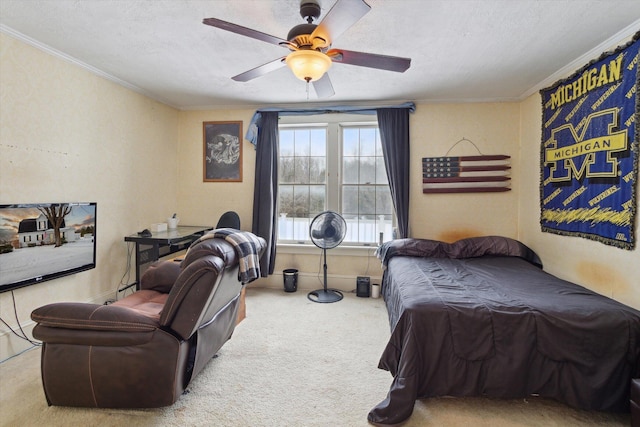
(229,219)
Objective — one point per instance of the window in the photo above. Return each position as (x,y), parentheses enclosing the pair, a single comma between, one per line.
(336,166)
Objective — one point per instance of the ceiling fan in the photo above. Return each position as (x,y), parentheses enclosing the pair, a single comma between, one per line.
(310,44)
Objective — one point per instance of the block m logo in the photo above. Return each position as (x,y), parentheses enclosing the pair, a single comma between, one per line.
(590,158)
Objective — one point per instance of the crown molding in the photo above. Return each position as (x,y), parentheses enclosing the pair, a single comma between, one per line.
(68,58)
(578,63)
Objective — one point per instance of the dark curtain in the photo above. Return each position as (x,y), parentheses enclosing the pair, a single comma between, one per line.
(394,135)
(265,195)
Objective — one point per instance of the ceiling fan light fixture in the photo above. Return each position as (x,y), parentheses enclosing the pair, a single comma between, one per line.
(308,65)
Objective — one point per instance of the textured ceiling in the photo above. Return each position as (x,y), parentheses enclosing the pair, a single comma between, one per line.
(461,50)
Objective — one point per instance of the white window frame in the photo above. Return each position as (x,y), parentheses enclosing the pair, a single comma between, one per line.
(334,124)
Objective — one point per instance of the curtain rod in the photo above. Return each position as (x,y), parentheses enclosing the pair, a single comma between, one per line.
(252,129)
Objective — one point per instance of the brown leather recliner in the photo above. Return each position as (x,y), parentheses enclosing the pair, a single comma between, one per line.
(142,351)
(635,402)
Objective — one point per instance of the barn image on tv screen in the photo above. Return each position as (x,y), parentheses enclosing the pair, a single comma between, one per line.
(40,242)
(40,231)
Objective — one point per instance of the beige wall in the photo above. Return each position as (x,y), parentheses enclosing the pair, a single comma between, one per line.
(435,128)
(67,135)
(202,203)
(87,139)
(607,270)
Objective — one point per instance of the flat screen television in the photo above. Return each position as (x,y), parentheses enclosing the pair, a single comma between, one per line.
(44,241)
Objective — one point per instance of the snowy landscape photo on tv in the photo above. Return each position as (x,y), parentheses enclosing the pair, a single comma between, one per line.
(40,242)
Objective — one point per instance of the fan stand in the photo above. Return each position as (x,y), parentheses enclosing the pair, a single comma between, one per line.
(325,295)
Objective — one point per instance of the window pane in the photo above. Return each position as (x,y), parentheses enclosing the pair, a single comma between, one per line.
(367,228)
(307,173)
(384,204)
(350,170)
(300,201)
(318,170)
(367,142)
(285,204)
(365,173)
(378,144)
(301,170)
(367,200)
(286,170)
(381,171)
(302,162)
(318,142)
(316,199)
(350,199)
(300,229)
(285,227)
(367,170)
(350,142)
(302,142)
(286,143)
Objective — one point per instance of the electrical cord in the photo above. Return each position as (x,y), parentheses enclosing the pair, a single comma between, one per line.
(22,334)
(369,254)
(20,353)
(126,276)
(23,337)
(321,269)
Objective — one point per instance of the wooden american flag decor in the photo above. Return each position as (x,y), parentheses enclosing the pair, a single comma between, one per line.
(466,174)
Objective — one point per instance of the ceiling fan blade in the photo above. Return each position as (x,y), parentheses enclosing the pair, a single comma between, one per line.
(342,15)
(323,87)
(243,31)
(370,60)
(261,70)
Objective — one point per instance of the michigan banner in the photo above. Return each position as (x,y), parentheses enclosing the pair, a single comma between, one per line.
(589,158)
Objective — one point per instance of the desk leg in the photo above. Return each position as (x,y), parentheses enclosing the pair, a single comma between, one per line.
(145,256)
(137,266)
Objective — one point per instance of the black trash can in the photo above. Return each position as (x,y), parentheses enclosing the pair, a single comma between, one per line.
(290,279)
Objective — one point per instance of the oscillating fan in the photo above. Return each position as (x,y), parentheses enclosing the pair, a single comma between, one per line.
(327,231)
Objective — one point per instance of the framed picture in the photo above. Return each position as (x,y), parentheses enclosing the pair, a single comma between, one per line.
(222,155)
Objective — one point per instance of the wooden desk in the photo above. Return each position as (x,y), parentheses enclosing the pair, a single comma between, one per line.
(162,243)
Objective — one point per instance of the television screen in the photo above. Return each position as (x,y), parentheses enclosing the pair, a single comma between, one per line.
(40,242)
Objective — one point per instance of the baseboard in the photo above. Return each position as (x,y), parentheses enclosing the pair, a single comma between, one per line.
(312,281)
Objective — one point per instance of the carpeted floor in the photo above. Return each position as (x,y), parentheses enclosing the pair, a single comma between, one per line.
(291,362)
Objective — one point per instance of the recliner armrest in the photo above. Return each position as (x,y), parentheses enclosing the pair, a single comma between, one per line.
(635,402)
(95,317)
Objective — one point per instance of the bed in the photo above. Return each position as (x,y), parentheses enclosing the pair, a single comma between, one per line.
(479,317)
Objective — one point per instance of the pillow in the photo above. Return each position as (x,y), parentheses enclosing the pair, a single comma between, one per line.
(465,248)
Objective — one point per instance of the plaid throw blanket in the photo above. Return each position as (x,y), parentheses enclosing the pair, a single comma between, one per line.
(247,246)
